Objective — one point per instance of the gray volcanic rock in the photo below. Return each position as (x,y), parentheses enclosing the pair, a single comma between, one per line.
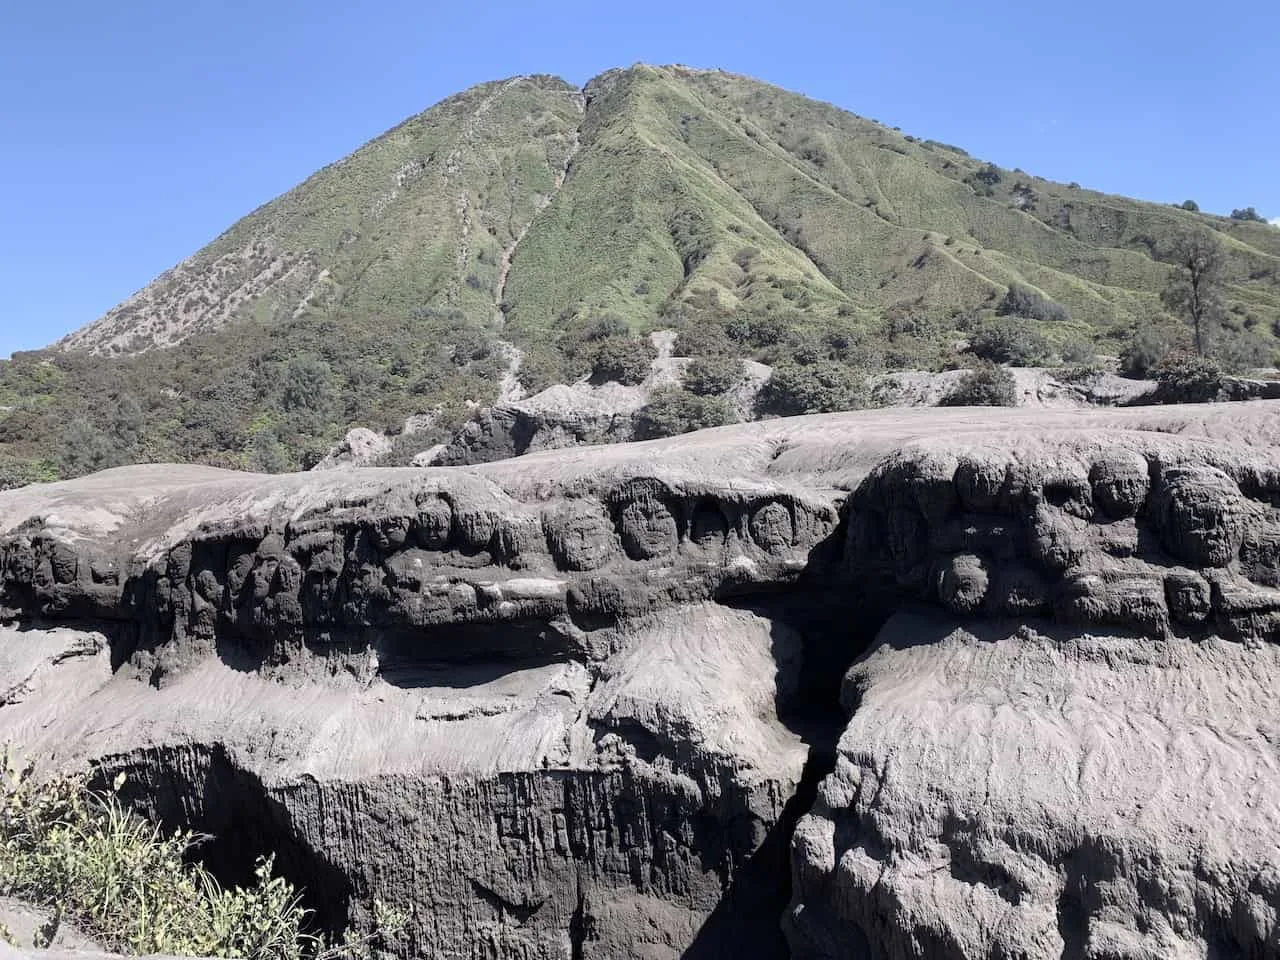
(573,705)
(1017,790)
(560,416)
(523,718)
(1011,787)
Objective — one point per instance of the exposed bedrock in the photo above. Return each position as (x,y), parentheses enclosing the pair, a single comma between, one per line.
(1017,790)
(1136,532)
(567,722)
(573,705)
(1070,750)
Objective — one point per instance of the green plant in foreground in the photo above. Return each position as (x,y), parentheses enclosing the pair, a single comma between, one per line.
(117,877)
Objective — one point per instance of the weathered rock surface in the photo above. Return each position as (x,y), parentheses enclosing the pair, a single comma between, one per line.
(361,447)
(1009,790)
(572,705)
(1034,387)
(580,414)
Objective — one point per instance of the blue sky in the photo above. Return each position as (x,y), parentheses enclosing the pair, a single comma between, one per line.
(133,133)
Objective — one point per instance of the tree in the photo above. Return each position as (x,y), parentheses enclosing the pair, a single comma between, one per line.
(1195,283)
(1248,213)
(1191,205)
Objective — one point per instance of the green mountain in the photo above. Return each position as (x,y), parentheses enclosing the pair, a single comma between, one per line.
(530,213)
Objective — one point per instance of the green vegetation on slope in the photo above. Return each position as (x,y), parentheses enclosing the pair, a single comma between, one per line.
(268,398)
(757,223)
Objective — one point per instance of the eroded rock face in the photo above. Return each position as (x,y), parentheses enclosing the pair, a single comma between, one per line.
(1141,533)
(1015,780)
(572,705)
(520,714)
(1021,791)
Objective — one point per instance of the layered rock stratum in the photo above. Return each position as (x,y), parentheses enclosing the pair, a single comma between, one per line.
(930,683)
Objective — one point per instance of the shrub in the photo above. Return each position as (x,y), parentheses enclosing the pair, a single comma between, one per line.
(1076,351)
(601,328)
(127,885)
(804,347)
(990,175)
(986,385)
(824,387)
(1080,372)
(758,330)
(1022,301)
(1242,352)
(703,340)
(1007,341)
(19,473)
(1143,354)
(86,449)
(625,360)
(267,454)
(540,367)
(469,346)
(1187,378)
(706,376)
(983,181)
(671,411)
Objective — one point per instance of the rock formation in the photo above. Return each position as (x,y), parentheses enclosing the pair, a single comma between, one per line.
(573,705)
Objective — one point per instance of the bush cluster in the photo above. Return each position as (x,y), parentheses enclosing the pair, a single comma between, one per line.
(1187,378)
(625,360)
(1143,354)
(709,376)
(824,387)
(1022,301)
(671,411)
(985,385)
(1011,342)
(82,855)
(983,181)
(128,886)
(274,396)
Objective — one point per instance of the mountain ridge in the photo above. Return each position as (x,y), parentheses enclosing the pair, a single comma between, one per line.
(278,271)
(517,229)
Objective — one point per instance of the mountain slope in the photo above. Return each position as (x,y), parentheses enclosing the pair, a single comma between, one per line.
(526,212)
(419,218)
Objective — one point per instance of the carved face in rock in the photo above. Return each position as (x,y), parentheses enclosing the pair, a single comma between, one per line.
(1202,515)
